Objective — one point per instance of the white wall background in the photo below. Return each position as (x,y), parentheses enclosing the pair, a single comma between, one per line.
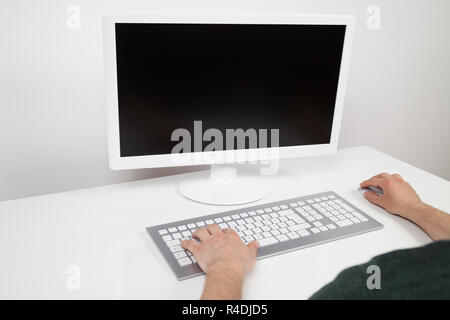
(52,114)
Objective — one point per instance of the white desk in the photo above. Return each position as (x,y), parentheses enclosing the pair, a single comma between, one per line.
(102,231)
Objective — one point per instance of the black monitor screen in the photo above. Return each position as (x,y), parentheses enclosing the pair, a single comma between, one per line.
(228,76)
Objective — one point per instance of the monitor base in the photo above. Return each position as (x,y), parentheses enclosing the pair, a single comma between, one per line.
(224,187)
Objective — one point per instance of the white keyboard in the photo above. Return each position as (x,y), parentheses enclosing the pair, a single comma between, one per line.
(279,227)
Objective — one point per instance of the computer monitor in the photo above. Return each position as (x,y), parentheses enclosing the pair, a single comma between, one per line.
(221,89)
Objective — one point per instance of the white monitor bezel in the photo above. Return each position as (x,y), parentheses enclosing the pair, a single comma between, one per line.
(117,162)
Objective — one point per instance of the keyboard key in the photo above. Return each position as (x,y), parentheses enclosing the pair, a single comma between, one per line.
(285,212)
(258,236)
(218,220)
(276,208)
(192,226)
(267,241)
(331,226)
(177,235)
(200,224)
(301,203)
(184,261)
(167,237)
(244,214)
(223,226)
(283,206)
(275,220)
(176,249)
(293,235)
(180,254)
(173,230)
(182,228)
(323,228)
(162,231)
(315,230)
(267,210)
(260,211)
(355,220)
(274,215)
(293,204)
(282,238)
(295,218)
(252,213)
(299,227)
(248,238)
(209,222)
(275,232)
(172,243)
(303,233)
(186,233)
(283,230)
(344,223)
(236,216)
(227,218)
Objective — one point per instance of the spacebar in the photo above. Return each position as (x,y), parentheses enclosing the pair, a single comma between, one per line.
(267,241)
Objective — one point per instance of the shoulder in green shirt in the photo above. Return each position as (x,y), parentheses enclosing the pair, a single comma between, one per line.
(419,273)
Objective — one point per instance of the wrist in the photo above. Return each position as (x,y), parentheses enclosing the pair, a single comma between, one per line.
(223,282)
(418,212)
(226,270)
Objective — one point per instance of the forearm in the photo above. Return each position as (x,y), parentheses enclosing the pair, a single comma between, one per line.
(223,285)
(434,222)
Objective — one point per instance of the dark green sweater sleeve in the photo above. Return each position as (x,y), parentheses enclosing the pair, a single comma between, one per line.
(419,273)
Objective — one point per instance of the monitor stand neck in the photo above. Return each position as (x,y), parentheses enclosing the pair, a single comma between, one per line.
(224,186)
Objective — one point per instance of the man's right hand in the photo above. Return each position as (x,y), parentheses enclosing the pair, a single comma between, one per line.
(398,196)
